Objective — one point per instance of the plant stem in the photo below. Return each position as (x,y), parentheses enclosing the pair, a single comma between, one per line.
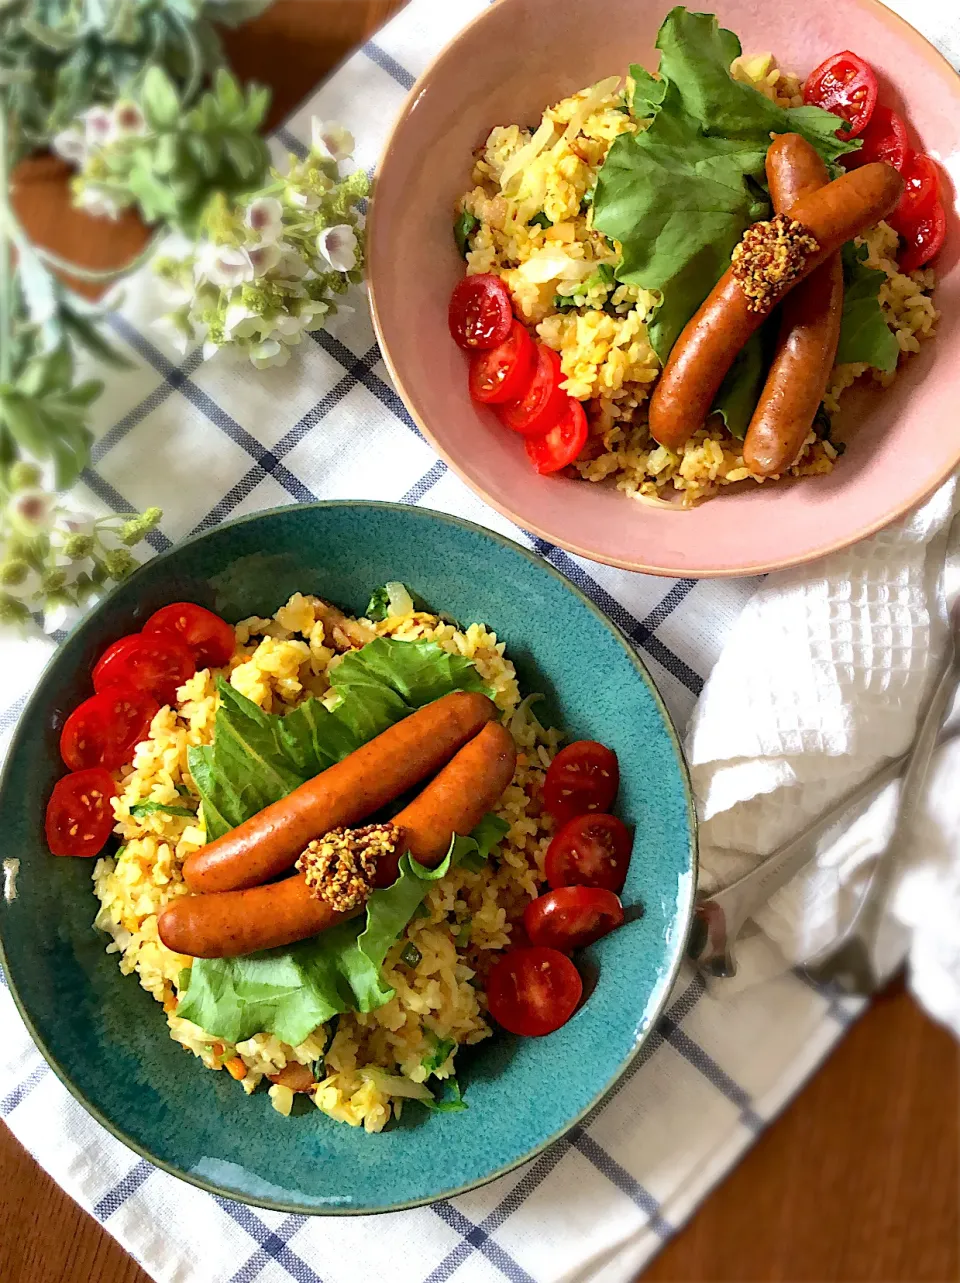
(6,300)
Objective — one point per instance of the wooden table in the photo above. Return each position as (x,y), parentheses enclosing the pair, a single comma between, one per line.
(858,1180)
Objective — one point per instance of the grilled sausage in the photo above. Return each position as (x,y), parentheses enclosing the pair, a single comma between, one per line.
(268,844)
(231,923)
(809,327)
(706,349)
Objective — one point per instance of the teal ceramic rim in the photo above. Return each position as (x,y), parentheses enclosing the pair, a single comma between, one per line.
(685,915)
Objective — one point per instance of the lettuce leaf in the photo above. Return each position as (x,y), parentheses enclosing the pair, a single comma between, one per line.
(679,195)
(289,991)
(864,334)
(257,758)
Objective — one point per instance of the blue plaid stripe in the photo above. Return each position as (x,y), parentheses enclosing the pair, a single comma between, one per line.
(388,64)
(272,1245)
(115,1198)
(23,1089)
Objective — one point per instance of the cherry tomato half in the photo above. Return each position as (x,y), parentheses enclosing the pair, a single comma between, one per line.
(106,728)
(210,638)
(583,777)
(559,447)
(79,816)
(846,85)
(533,991)
(923,239)
(538,409)
(590,851)
(503,372)
(885,138)
(921,190)
(572,917)
(157,663)
(481,312)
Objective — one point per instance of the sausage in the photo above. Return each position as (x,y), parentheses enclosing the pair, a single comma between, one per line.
(268,844)
(711,339)
(230,923)
(456,801)
(809,327)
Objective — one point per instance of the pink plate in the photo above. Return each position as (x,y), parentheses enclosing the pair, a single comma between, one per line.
(511,62)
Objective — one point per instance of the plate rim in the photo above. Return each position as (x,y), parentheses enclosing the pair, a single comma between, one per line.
(684,917)
(906,32)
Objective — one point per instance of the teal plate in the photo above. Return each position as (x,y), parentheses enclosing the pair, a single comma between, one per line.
(107,1039)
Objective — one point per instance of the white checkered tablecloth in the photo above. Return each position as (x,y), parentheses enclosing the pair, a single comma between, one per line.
(209,441)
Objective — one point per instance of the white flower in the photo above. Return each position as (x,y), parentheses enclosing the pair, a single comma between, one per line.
(176,330)
(95,201)
(311,315)
(98,124)
(223,265)
(210,348)
(268,353)
(291,265)
(28,587)
(265,217)
(287,328)
(330,140)
(305,200)
(62,616)
(71,144)
(240,322)
(338,245)
(128,120)
(264,257)
(31,510)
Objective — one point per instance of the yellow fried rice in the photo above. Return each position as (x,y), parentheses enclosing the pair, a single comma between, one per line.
(605,353)
(374,1061)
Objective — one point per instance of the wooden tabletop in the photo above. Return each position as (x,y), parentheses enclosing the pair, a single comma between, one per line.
(858,1179)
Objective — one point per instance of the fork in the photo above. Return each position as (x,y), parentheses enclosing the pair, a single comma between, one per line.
(852,965)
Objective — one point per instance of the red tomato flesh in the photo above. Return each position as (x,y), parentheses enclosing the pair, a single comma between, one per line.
(885,138)
(590,851)
(582,777)
(559,447)
(504,372)
(846,85)
(538,409)
(572,917)
(921,190)
(533,991)
(481,312)
(923,239)
(157,663)
(210,638)
(106,728)
(79,816)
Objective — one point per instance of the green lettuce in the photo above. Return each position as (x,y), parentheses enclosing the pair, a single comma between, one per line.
(679,194)
(257,758)
(864,334)
(289,991)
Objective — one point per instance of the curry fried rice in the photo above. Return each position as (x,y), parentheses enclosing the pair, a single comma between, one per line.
(374,1061)
(531,197)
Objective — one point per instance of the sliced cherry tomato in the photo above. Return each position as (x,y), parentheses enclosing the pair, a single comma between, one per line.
(846,85)
(572,917)
(583,777)
(210,638)
(590,851)
(559,447)
(481,312)
(885,138)
(106,728)
(79,816)
(538,409)
(503,372)
(923,239)
(157,663)
(533,991)
(920,193)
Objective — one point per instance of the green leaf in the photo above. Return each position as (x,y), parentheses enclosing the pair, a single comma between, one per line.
(159,100)
(139,809)
(26,423)
(463,229)
(228,93)
(439,1055)
(648,92)
(679,195)
(256,758)
(740,390)
(453,1104)
(864,334)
